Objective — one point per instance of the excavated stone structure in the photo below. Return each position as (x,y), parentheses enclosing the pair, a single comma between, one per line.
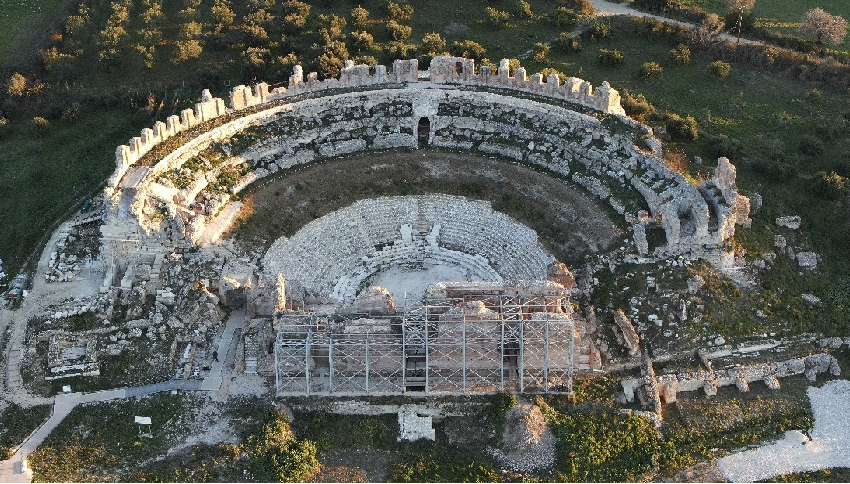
(569,131)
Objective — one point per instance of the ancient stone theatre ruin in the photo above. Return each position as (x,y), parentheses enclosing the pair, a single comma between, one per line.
(430,293)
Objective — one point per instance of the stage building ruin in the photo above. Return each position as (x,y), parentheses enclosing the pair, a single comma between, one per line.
(476,337)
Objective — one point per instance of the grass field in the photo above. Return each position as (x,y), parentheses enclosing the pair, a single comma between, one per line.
(46,175)
(782,16)
(25,24)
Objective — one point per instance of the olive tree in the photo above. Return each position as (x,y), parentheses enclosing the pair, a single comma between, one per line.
(824,27)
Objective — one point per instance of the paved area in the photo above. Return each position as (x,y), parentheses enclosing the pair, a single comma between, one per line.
(829,447)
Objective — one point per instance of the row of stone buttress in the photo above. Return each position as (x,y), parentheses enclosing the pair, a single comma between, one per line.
(404,71)
(126,155)
(741,376)
(461,70)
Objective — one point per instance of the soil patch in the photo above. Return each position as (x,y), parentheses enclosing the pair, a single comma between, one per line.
(569,223)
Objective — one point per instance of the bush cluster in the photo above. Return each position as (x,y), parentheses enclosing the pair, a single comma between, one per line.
(611,57)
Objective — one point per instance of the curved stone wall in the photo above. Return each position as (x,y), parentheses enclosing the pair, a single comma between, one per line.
(188,186)
(334,255)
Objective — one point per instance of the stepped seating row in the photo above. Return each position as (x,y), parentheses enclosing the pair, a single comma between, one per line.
(332,255)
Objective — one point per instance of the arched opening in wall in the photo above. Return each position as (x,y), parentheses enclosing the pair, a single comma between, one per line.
(458,68)
(687,222)
(424,132)
(711,194)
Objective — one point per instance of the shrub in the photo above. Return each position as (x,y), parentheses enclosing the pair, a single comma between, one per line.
(524,9)
(598,29)
(775,169)
(366,59)
(362,40)
(498,17)
(399,50)
(682,129)
(636,106)
(681,54)
(276,455)
(401,13)
(814,96)
(40,124)
(541,51)
(187,49)
(581,9)
(399,32)
(359,18)
(720,69)
(723,145)
(650,71)
(72,113)
(468,48)
(611,57)
(568,43)
(830,186)
(17,85)
(548,71)
(433,44)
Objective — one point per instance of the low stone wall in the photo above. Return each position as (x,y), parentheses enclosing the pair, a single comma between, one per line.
(708,381)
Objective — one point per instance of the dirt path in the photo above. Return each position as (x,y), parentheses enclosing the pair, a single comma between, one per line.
(608,9)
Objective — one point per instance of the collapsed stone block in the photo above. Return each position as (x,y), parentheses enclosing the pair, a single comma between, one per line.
(631,340)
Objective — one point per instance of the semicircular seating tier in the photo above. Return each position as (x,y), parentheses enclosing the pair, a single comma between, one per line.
(334,255)
(170,191)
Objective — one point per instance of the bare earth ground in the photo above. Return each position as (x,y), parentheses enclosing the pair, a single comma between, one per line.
(569,223)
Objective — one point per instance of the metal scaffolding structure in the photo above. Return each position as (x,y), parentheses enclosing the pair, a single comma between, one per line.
(450,346)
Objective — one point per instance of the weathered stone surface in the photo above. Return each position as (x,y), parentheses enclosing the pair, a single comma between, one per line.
(807,260)
(791,221)
(756,203)
(640,239)
(375,300)
(811,299)
(560,273)
(695,283)
(631,340)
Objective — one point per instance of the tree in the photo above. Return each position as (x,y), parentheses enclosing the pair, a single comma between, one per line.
(708,32)
(824,27)
(359,18)
(541,51)
(399,32)
(498,17)
(740,7)
(17,85)
(400,13)
(433,44)
(468,48)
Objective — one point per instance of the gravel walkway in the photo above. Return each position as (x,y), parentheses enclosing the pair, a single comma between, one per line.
(829,447)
